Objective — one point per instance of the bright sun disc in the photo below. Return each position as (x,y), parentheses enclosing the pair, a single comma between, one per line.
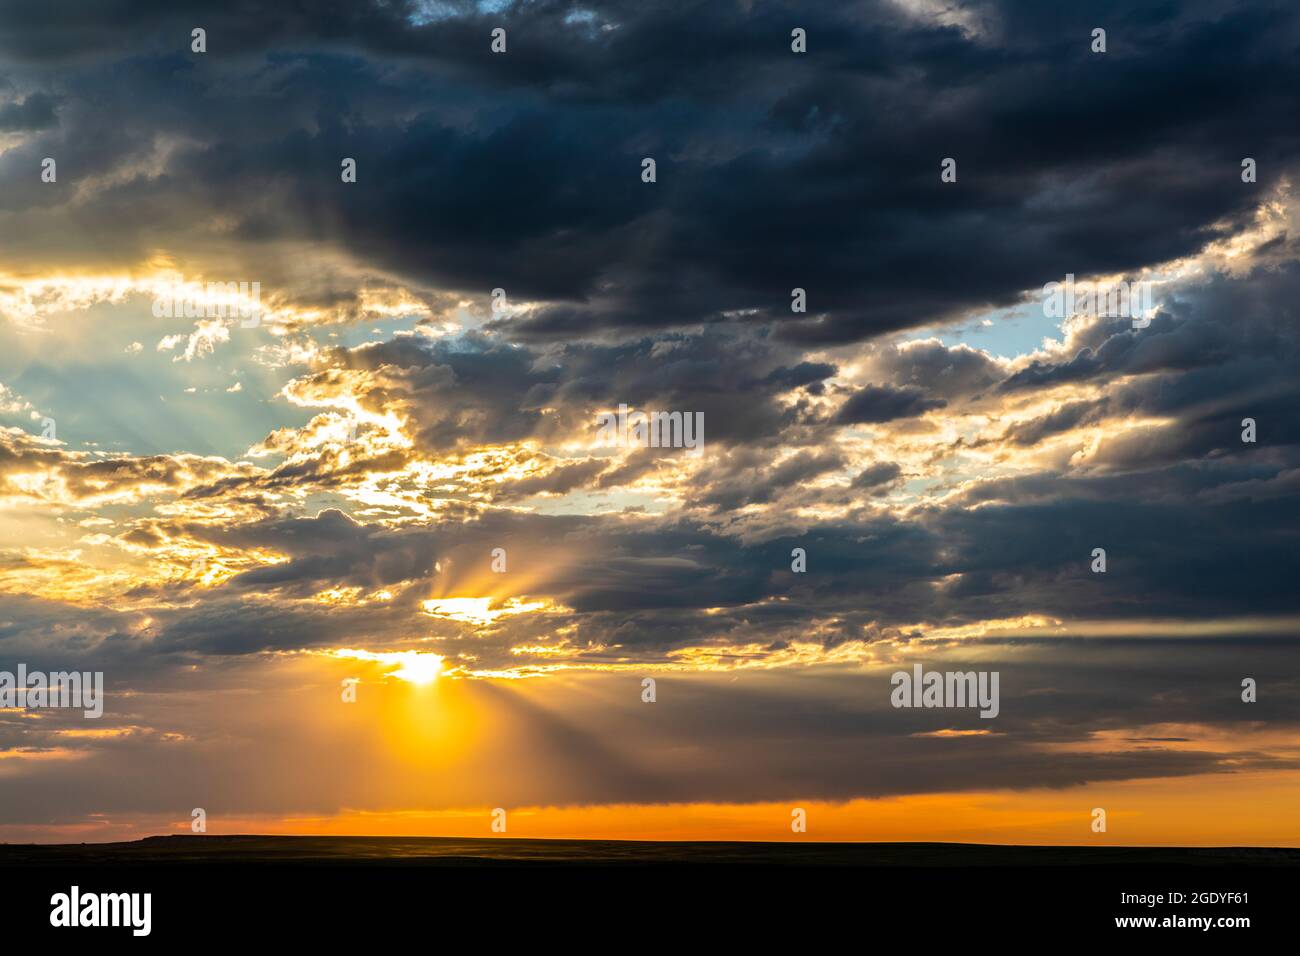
(419,668)
(416,667)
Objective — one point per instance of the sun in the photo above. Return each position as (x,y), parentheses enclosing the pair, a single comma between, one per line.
(418,668)
(415,667)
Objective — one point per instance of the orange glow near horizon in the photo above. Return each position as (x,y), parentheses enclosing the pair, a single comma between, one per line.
(1187,811)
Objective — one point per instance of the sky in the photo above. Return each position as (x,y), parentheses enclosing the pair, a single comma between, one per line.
(358,559)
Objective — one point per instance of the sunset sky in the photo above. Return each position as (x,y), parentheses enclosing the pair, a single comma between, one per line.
(229,520)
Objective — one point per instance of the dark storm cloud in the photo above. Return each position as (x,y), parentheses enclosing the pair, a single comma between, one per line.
(776,170)
(877,403)
(1220,354)
(1070,415)
(881,473)
(804,375)
(1222,323)
(957,372)
(476,388)
(747,478)
(33,113)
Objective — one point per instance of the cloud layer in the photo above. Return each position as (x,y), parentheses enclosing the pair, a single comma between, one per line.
(186,496)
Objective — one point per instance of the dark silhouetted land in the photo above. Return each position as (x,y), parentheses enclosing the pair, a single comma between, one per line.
(440,851)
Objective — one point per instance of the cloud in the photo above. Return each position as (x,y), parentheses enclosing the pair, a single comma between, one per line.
(35,112)
(544,149)
(391,426)
(876,403)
